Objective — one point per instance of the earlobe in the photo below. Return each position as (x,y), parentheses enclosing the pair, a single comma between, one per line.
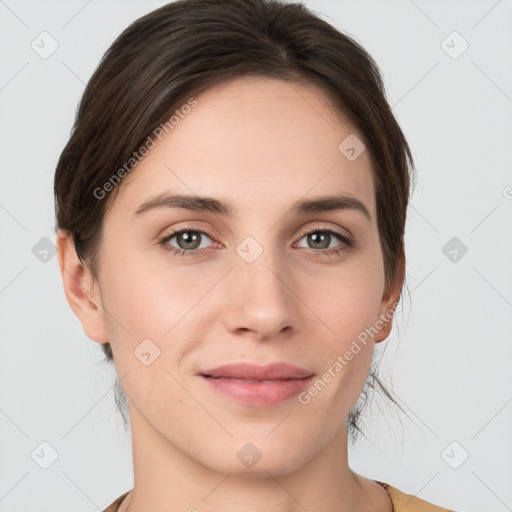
(79,288)
(386,321)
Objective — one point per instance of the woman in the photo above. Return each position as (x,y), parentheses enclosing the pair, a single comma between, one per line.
(230,216)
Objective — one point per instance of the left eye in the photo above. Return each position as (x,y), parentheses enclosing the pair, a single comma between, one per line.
(323,237)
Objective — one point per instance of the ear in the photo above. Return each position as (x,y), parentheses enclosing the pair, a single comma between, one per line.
(79,287)
(390,299)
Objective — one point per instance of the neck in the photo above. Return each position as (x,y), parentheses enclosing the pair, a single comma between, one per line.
(167,478)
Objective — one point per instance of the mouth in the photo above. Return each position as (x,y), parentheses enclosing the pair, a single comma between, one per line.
(251,371)
(249,380)
(258,386)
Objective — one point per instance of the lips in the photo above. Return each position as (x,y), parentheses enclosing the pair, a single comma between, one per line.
(258,386)
(252,372)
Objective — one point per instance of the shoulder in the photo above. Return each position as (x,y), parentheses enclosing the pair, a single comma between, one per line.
(114,506)
(409,503)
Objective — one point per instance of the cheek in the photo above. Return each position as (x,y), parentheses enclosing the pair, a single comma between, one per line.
(163,303)
(350,302)
(140,299)
(147,327)
(349,307)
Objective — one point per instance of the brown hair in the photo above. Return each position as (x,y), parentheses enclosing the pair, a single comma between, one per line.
(187,46)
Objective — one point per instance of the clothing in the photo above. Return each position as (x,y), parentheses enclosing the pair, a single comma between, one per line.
(409,503)
(401,502)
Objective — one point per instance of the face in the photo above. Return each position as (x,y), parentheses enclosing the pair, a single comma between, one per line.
(187,290)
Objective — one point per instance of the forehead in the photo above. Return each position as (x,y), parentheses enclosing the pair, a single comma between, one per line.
(257,139)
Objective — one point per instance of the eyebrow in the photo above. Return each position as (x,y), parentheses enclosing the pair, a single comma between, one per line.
(210,204)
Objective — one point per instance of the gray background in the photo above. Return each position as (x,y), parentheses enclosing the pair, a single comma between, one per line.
(449,356)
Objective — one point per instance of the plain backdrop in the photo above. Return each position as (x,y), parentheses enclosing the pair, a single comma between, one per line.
(448,72)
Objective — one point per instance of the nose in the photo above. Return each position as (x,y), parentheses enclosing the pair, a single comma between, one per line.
(259,299)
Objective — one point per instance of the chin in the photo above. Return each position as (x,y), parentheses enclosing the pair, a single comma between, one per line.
(256,457)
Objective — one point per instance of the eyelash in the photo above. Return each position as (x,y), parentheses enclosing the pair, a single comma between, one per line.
(333,251)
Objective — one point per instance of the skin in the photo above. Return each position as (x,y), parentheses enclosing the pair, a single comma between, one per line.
(260,144)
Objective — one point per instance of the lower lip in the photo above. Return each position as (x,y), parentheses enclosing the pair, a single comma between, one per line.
(259,394)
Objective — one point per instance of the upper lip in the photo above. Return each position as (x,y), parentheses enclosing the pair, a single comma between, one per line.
(251,371)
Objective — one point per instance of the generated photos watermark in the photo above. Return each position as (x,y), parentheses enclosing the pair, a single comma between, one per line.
(150,143)
(343,359)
